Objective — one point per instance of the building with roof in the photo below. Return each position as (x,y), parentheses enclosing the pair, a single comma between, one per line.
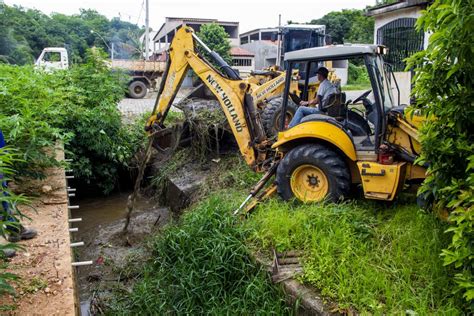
(242,60)
(165,34)
(395,28)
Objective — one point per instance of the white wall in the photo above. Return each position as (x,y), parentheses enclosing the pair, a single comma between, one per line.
(404,84)
(403,78)
(382,19)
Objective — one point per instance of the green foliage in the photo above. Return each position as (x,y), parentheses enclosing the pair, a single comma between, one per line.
(444,89)
(8,220)
(30,116)
(102,144)
(383,2)
(357,74)
(202,266)
(77,108)
(26,32)
(216,38)
(348,26)
(376,261)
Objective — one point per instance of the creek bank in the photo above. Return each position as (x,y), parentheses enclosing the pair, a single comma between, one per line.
(47,284)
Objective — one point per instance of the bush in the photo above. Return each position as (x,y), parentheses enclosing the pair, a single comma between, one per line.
(77,108)
(357,74)
(202,266)
(443,88)
(32,108)
(10,201)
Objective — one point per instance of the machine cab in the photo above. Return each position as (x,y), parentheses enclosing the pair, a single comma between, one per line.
(358,106)
(358,134)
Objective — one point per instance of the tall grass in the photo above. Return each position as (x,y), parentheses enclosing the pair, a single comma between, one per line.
(202,266)
(362,255)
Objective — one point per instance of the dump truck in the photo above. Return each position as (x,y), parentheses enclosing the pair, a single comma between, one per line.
(372,143)
(144,75)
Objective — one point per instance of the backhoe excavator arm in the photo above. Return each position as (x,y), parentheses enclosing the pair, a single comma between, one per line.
(230,92)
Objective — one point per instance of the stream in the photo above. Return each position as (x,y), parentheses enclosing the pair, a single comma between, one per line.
(103,219)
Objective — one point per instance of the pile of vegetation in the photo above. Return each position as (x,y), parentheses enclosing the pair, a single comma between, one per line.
(76,108)
(363,255)
(26,32)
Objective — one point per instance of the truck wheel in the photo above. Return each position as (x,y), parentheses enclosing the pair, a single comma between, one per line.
(271,115)
(137,89)
(312,173)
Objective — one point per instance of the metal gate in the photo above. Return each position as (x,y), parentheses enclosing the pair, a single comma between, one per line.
(402,40)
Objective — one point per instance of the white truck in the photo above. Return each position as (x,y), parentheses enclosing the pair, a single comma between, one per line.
(144,74)
(52,58)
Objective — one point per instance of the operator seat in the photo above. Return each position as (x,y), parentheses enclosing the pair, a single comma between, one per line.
(334,105)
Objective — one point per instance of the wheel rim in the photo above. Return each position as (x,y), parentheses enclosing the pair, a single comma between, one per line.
(309,183)
(288,118)
(138,89)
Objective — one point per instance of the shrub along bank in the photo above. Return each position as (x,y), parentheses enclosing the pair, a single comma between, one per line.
(78,108)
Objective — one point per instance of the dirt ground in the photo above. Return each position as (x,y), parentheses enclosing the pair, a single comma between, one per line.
(46,286)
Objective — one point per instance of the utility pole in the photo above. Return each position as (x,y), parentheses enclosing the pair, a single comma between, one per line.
(112,52)
(278,60)
(147,34)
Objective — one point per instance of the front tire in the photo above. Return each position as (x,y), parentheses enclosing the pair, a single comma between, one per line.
(313,173)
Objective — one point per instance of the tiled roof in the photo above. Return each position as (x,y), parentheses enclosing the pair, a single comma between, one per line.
(237,51)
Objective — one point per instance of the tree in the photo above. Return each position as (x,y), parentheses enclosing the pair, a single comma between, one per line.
(382,2)
(443,87)
(217,39)
(348,26)
(26,32)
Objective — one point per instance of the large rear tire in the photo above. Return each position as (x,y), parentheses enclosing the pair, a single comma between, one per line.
(137,89)
(271,115)
(313,173)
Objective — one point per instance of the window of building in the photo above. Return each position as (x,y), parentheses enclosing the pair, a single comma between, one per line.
(254,37)
(242,62)
(244,40)
(402,40)
(171,36)
(267,36)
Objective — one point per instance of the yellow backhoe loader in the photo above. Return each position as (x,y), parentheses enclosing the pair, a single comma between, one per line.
(326,153)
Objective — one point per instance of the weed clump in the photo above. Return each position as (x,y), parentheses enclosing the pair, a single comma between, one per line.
(202,266)
(376,262)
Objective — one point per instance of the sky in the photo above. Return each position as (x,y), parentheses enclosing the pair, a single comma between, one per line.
(251,14)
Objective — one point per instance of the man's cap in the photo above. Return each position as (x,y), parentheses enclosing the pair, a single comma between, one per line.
(323,71)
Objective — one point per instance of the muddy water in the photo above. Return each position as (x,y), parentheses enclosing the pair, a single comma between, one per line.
(96,212)
(101,227)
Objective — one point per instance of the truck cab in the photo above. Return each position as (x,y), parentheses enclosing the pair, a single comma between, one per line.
(52,58)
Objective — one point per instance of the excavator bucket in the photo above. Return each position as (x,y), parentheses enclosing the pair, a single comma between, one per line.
(168,139)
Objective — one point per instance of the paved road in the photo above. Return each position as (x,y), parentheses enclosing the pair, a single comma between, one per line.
(134,107)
